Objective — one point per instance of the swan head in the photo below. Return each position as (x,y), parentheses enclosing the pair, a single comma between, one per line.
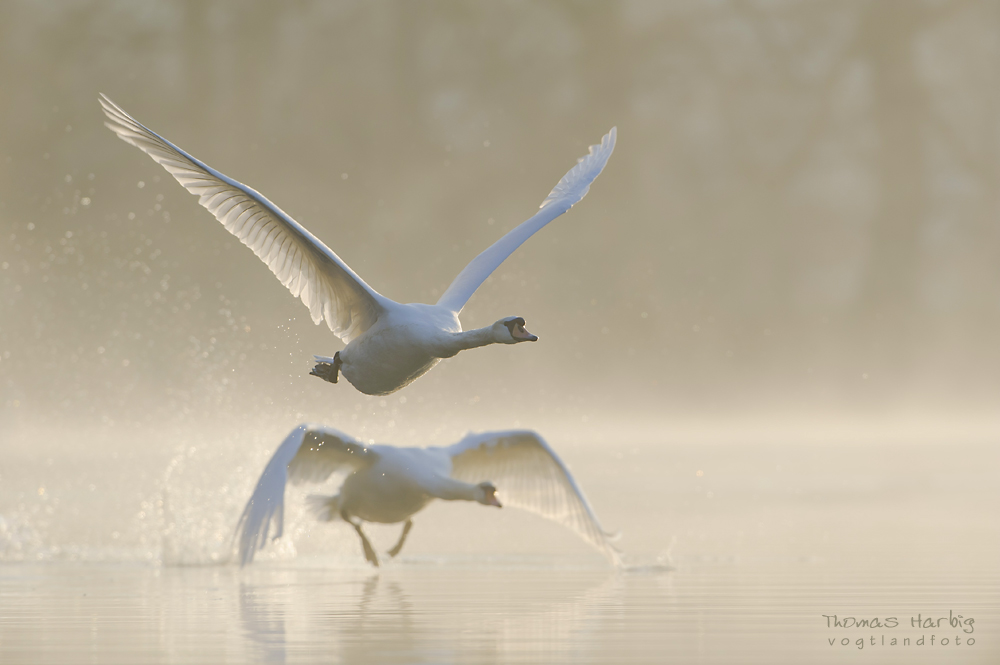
(511,331)
(488,495)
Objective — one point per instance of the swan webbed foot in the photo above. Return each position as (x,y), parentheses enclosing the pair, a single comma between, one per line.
(402,538)
(370,555)
(326,370)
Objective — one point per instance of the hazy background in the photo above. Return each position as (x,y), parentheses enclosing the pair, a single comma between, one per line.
(803,194)
(796,240)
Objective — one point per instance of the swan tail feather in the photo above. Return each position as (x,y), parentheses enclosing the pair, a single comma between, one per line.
(324,508)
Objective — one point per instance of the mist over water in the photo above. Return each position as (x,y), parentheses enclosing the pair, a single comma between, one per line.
(767,335)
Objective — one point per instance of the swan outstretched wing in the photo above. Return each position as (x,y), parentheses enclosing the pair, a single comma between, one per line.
(308,454)
(529,475)
(573,187)
(310,270)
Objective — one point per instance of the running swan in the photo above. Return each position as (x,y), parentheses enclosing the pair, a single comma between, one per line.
(388,344)
(388,485)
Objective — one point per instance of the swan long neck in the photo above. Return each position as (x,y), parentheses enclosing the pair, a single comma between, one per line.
(449,489)
(471,339)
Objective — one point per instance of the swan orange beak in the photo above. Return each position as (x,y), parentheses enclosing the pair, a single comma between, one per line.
(519,332)
(492,500)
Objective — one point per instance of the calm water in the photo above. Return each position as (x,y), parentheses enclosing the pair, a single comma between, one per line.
(461,611)
(736,551)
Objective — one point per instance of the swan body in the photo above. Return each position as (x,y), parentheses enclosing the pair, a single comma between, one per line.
(388,344)
(388,484)
(406,342)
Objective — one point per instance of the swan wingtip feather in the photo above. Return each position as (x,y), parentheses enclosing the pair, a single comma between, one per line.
(570,189)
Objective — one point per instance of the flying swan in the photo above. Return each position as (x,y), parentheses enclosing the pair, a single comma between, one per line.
(388,344)
(387,484)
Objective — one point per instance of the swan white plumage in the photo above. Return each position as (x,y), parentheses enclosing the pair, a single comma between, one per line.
(387,484)
(388,344)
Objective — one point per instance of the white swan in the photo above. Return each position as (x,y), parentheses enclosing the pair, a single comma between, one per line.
(388,344)
(389,484)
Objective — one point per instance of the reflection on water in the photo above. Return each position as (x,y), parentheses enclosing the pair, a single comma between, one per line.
(263,622)
(508,610)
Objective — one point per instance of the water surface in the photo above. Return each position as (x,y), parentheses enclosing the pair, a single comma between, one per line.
(505,610)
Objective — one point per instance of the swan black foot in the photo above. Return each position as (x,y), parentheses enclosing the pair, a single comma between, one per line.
(328,371)
(402,538)
(369,550)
